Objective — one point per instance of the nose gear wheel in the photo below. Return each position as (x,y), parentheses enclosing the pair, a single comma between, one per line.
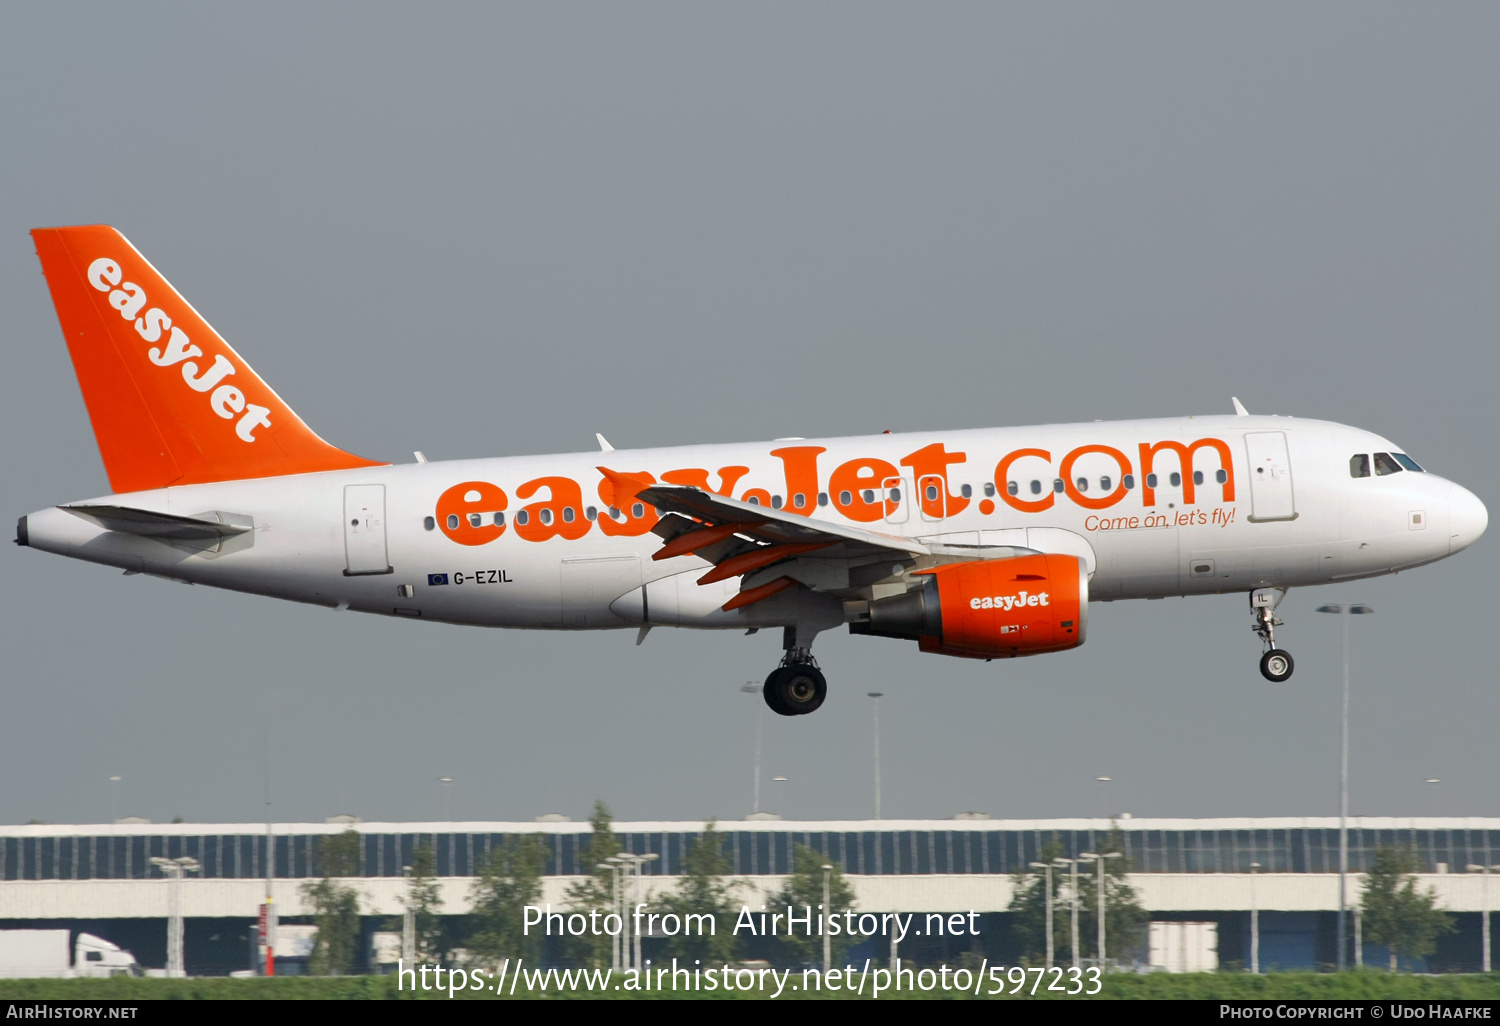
(1276,665)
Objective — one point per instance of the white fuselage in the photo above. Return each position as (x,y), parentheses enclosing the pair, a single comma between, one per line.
(1282,517)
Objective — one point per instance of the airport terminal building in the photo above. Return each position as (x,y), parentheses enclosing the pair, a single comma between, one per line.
(100,878)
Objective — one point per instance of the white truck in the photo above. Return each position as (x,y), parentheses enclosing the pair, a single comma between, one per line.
(45,953)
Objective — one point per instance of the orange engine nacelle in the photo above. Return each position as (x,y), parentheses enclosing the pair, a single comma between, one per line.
(990,609)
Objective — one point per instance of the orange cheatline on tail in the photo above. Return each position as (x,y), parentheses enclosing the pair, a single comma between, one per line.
(171,402)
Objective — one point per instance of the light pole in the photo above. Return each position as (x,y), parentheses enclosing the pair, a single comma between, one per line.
(447,783)
(1484,917)
(1432,789)
(617,941)
(750,687)
(1103,783)
(1343,613)
(1254,922)
(1046,868)
(1071,864)
(827,874)
(270,917)
(408,924)
(114,798)
(1099,896)
(633,864)
(780,797)
(172,870)
(877,696)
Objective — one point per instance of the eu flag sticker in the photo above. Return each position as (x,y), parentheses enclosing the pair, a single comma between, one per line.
(433,580)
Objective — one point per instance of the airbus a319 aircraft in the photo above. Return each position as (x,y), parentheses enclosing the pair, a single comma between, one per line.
(985,544)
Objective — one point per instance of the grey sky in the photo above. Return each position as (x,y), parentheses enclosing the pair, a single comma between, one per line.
(485,230)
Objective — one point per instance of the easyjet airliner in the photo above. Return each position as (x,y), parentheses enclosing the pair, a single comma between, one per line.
(984,544)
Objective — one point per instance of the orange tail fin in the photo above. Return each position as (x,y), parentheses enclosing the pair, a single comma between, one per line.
(170,401)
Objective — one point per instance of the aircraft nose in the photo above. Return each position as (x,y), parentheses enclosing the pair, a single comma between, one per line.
(1467,518)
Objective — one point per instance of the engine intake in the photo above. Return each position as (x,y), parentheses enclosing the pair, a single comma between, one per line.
(990,609)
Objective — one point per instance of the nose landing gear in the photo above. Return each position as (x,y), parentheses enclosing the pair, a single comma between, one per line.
(1276,664)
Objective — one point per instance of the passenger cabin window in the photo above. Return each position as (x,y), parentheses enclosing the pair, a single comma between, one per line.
(775,502)
(932,493)
(1036,488)
(1011,488)
(523,518)
(429,523)
(567,514)
(1359,465)
(453,521)
(1221,475)
(1083,484)
(1407,462)
(1150,480)
(822,498)
(1176,479)
(637,511)
(965,491)
(868,495)
(545,514)
(476,519)
(1129,480)
(1197,477)
(1384,465)
(590,513)
(1057,485)
(499,519)
(845,499)
(989,490)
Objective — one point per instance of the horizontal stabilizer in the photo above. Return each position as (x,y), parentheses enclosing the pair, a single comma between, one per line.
(162,526)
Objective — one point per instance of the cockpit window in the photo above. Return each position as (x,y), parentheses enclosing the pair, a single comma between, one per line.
(1359,465)
(1384,465)
(1407,462)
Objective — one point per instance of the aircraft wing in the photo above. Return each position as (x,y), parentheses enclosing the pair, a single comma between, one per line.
(774,526)
(756,543)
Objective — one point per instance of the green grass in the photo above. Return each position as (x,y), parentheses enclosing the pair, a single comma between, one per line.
(1212,986)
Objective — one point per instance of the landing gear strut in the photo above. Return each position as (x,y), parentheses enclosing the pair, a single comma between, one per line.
(796,687)
(1276,664)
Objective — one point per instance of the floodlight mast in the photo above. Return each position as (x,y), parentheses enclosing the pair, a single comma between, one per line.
(827,911)
(750,687)
(877,696)
(617,940)
(1254,922)
(1046,868)
(1071,864)
(408,923)
(1098,860)
(172,871)
(1344,612)
(1484,905)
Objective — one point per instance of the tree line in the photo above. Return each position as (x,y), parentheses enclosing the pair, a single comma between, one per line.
(1395,914)
(509,878)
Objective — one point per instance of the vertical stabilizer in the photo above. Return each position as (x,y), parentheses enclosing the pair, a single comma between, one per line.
(171,402)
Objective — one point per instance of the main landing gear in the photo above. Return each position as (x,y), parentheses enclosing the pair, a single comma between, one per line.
(1276,664)
(797,686)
